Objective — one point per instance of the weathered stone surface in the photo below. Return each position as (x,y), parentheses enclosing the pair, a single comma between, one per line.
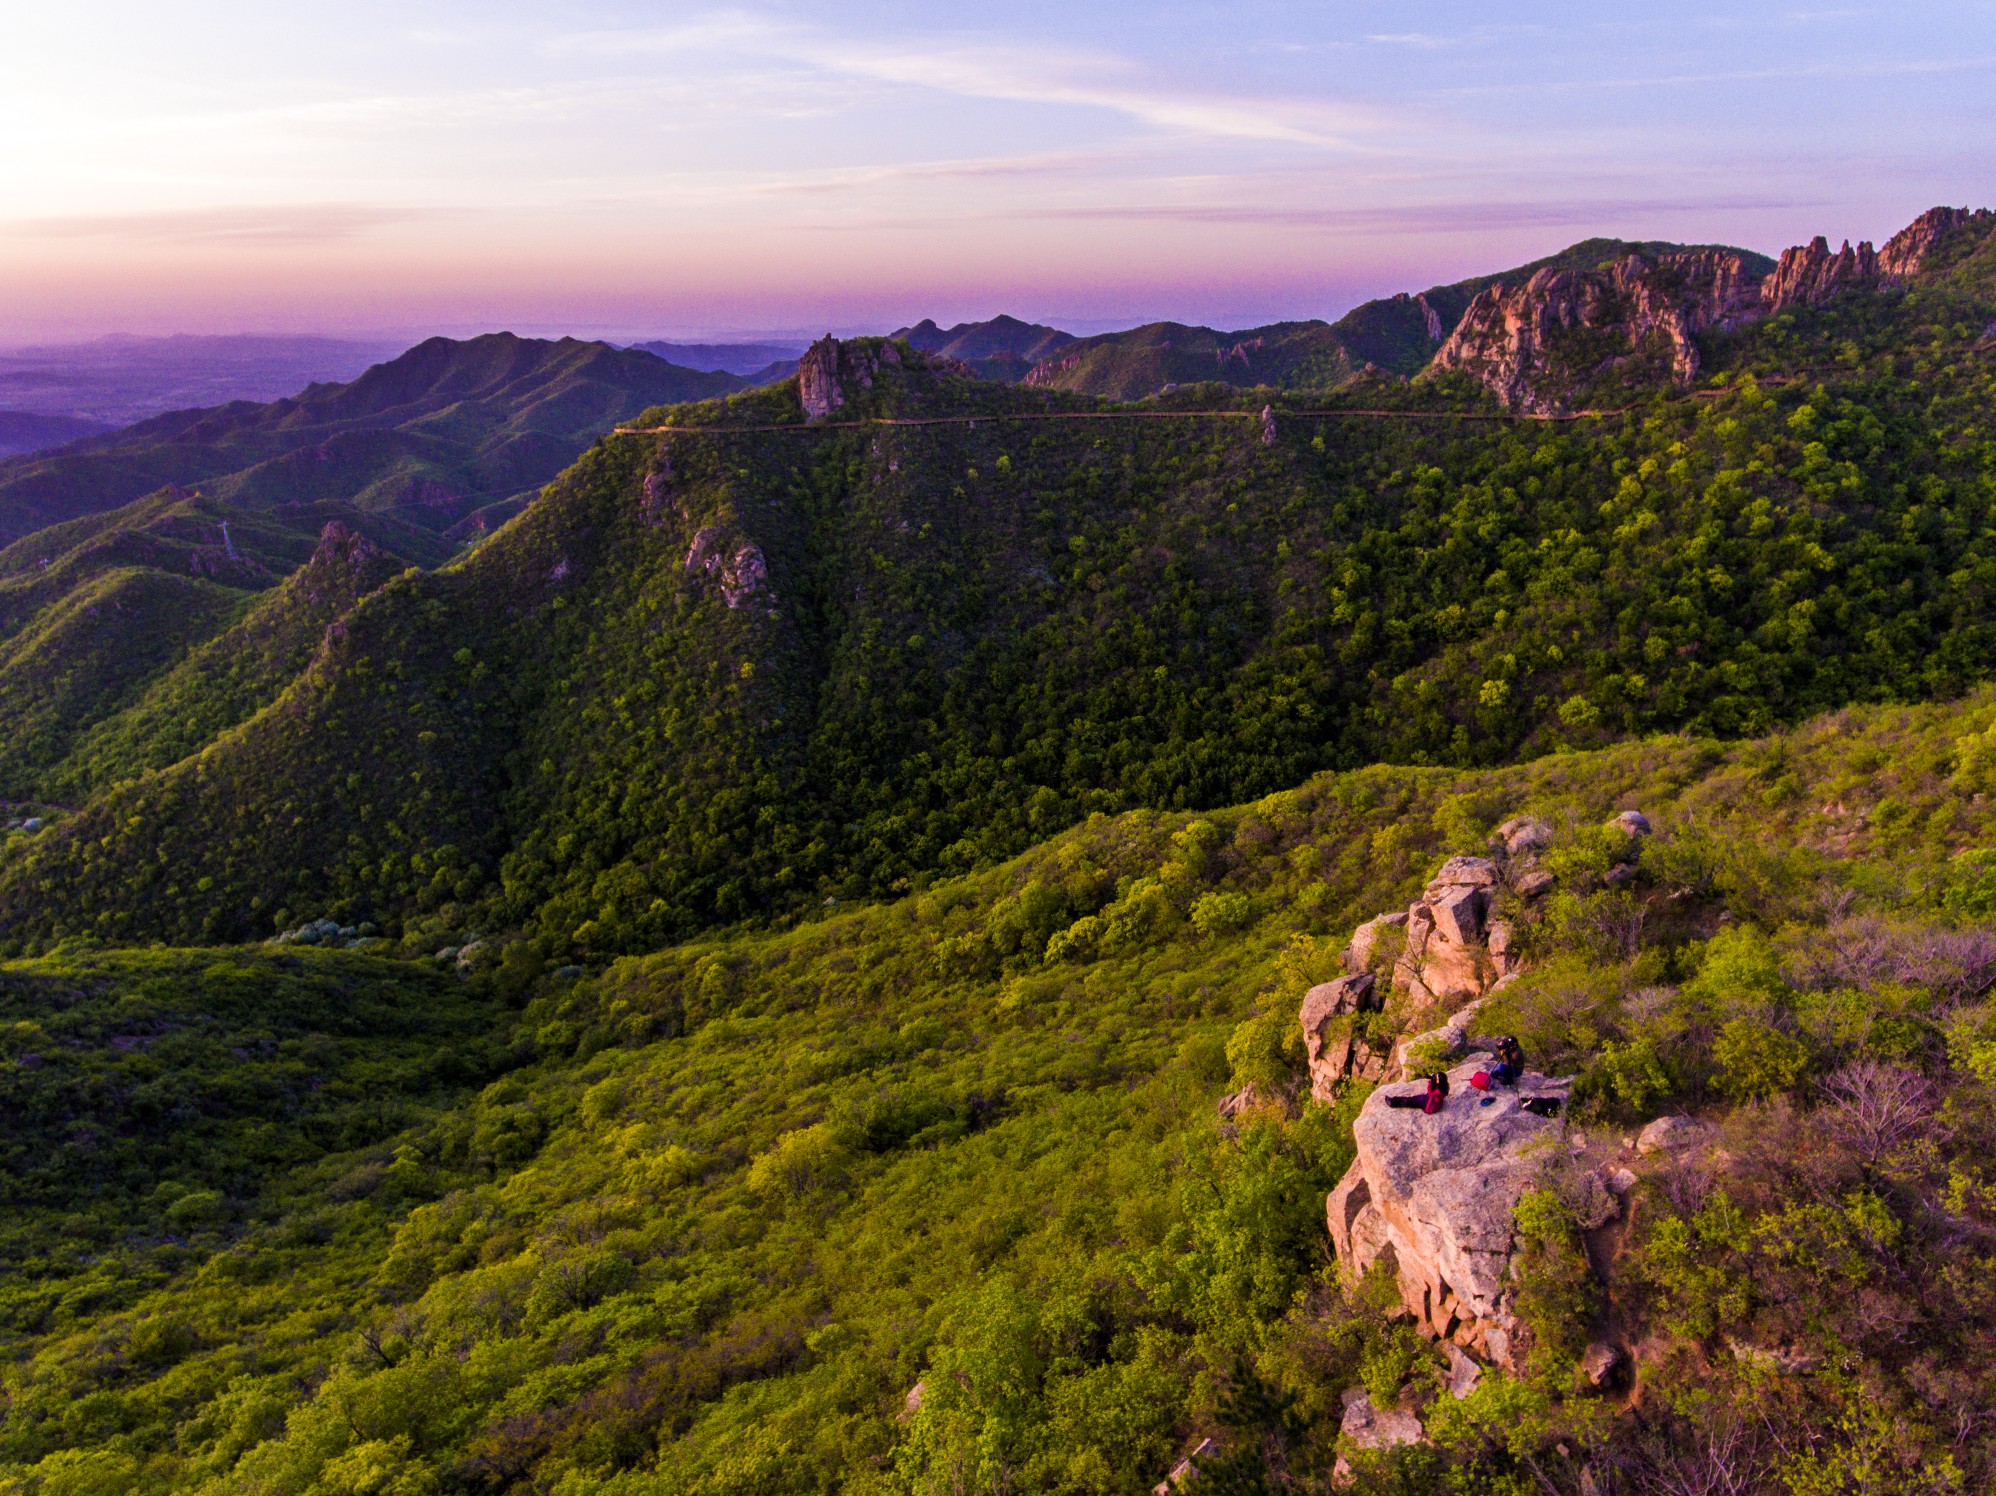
(1671,1134)
(1463,1372)
(1434,1196)
(1370,1428)
(740,569)
(1598,1364)
(1334,1051)
(1809,274)
(831,371)
(1458,915)
(1365,939)
(1246,1099)
(1522,340)
(1523,834)
(1632,823)
(1905,253)
(1532,884)
(1464,872)
(1509,337)
(1499,938)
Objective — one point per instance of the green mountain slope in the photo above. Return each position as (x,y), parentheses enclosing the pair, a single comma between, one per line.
(715,676)
(120,645)
(449,434)
(1131,365)
(87,656)
(917,1196)
(229,678)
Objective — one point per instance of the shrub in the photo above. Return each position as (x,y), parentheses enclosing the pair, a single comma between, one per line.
(1556,1291)
(1630,1076)
(801,1163)
(1266,1052)
(1216,914)
(1757,1062)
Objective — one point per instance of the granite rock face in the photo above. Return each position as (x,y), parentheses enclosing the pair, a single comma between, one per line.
(832,372)
(1906,252)
(738,567)
(1534,344)
(1527,343)
(1336,1051)
(1433,1197)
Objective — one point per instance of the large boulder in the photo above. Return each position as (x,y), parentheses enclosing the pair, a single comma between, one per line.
(1369,1428)
(1330,1033)
(1434,1197)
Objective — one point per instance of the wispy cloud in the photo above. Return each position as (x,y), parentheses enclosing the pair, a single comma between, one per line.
(277,226)
(983,68)
(1419,218)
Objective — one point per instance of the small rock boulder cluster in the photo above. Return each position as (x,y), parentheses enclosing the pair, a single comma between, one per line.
(1453,951)
(740,569)
(327,932)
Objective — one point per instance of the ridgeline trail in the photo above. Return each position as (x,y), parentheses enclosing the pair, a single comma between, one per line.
(1112,415)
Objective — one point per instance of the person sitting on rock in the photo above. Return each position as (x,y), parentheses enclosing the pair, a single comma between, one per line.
(1430,1102)
(1510,1062)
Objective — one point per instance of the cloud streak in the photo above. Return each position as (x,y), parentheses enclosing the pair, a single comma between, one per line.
(273,226)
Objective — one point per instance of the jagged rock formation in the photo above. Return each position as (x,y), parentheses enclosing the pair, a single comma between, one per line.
(1331,1035)
(1534,345)
(1529,344)
(1809,275)
(831,371)
(1453,951)
(1906,252)
(740,569)
(1433,1198)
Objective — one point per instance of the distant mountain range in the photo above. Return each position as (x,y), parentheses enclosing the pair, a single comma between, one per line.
(748,359)
(448,436)
(118,380)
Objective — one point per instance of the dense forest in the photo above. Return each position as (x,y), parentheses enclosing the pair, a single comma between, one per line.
(778,967)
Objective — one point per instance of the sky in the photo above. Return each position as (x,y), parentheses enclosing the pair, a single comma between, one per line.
(610,168)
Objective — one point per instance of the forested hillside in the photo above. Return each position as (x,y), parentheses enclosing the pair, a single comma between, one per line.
(734,671)
(931,1196)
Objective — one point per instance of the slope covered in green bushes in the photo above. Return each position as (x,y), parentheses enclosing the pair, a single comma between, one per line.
(753,1193)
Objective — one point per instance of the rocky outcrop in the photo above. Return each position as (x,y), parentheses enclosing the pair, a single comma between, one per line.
(1536,344)
(1530,344)
(1454,951)
(1809,275)
(739,568)
(1906,252)
(1433,1197)
(831,372)
(1367,1428)
(1332,1037)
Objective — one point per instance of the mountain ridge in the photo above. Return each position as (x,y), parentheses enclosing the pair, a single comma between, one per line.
(444,431)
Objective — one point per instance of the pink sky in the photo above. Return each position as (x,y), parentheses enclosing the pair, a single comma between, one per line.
(631,168)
